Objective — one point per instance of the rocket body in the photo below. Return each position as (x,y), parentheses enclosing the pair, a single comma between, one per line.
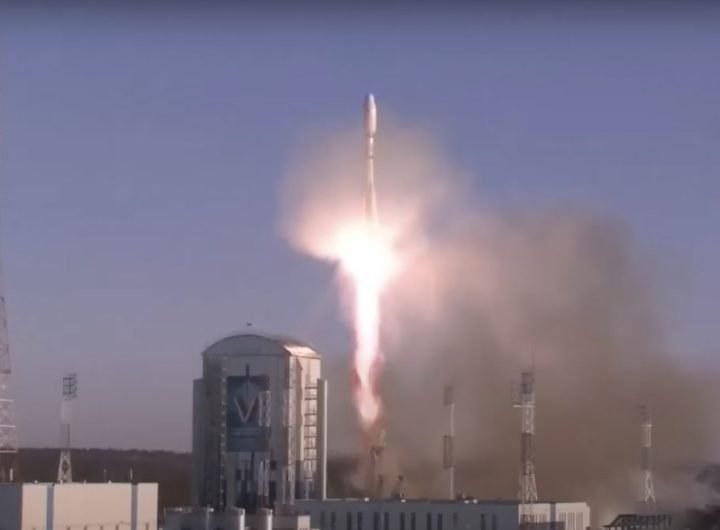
(371,213)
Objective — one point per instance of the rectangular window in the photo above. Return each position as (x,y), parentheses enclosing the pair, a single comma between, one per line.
(482,521)
(386,521)
(493,522)
(376,521)
(402,520)
(359,521)
(439,521)
(332,520)
(322,520)
(455,521)
(348,521)
(412,521)
(428,521)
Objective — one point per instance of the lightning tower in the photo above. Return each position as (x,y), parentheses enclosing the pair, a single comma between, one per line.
(449,440)
(69,393)
(8,430)
(525,401)
(648,488)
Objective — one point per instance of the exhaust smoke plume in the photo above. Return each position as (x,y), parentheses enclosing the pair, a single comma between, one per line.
(480,295)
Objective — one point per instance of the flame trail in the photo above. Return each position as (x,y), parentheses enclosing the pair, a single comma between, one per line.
(368,262)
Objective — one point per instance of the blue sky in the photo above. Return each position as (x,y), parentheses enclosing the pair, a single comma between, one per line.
(141,154)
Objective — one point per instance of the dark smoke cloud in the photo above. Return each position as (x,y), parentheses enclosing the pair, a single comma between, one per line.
(485,294)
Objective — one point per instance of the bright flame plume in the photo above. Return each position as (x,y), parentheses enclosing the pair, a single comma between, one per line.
(368,262)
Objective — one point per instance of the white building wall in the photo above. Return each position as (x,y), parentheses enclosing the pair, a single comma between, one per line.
(106,505)
(575,515)
(147,506)
(73,506)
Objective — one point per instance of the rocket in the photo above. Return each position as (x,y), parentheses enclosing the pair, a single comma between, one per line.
(370,112)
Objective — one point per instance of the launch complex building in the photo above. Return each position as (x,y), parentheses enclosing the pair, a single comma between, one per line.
(260,455)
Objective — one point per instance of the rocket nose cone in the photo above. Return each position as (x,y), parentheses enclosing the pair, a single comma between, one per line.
(370,115)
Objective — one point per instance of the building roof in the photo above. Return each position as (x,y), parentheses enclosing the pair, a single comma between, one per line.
(254,344)
(412,500)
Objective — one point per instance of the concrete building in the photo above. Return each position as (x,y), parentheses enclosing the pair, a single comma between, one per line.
(232,519)
(423,514)
(77,506)
(204,519)
(259,433)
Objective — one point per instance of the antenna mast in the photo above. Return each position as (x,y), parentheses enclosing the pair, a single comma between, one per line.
(648,487)
(69,393)
(8,430)
(525,401)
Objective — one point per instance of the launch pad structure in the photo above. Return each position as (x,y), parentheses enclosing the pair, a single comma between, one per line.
(647,498)
(525,401)
(69,393)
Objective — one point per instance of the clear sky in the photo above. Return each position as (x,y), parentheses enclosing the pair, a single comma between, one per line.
(141,154)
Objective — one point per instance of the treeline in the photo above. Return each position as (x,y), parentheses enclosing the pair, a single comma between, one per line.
(172,471)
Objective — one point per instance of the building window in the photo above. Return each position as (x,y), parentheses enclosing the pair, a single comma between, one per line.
(359,521)
(439,521)
(428,521)
(386,521)
(332,520)
(482,521)
(412,521)
(402,520)
(322,520)
(376,521)
(493,522)
(348,521)
(455,521)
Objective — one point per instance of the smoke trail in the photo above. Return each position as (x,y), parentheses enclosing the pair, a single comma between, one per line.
(482,292)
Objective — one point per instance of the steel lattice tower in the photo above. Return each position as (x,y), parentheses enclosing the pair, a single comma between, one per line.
(648,487)
(69,392)
(449,439)
(8,429)
(525,401)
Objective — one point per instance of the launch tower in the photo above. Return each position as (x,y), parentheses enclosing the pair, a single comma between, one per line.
(525,401)
(69,393)
(648,488)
